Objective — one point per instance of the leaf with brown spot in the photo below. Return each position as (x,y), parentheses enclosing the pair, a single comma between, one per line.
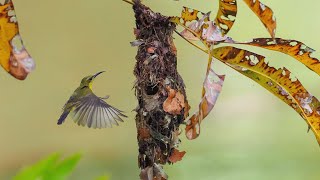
(14,58)
(176,156)
(265,15)
(293,48)
(210,92)
(292,89)
(226,15)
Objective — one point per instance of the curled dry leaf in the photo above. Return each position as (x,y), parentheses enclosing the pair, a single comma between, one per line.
(176,156)
(212,87)
(226,15)
(286,87)
(265,15)
(14,58)
(293,48)
(174,103)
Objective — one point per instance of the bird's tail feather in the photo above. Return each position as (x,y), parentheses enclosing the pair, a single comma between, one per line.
(63,117)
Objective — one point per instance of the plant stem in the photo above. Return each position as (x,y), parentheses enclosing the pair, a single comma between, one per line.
(129,1)
(193,44)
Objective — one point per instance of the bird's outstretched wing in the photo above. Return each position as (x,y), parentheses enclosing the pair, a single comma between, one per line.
(94,112)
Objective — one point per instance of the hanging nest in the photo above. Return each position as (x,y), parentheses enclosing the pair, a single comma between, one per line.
(160,91)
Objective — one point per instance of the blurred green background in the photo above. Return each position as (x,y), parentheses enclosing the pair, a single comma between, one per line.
(249,135)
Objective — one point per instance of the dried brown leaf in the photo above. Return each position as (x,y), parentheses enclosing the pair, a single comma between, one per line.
(176,156)
(210,92)
(174,103)
(14,58)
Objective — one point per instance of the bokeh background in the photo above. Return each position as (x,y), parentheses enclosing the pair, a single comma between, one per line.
(249,135)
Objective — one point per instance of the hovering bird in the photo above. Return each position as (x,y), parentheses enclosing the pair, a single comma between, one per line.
(88,109)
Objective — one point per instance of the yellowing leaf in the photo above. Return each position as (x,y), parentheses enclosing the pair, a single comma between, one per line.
(293,48)
(14,58)
(290,88)
(188,15)
(226,15)
(210,92)
(265,14)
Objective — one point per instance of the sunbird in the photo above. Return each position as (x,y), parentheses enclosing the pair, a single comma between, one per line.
(88,109)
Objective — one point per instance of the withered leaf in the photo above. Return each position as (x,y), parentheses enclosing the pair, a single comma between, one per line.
(176,156)
(226,15)
(265,15)
(201,28)
(293,48)
(289,88)
(174,103)
(188,15)
(14,58)
(210,92)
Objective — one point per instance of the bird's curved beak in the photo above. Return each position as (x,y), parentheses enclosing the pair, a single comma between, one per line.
(95,75)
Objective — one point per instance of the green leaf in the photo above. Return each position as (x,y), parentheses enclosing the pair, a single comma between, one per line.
(37,170)
(63,169)
(49,168)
